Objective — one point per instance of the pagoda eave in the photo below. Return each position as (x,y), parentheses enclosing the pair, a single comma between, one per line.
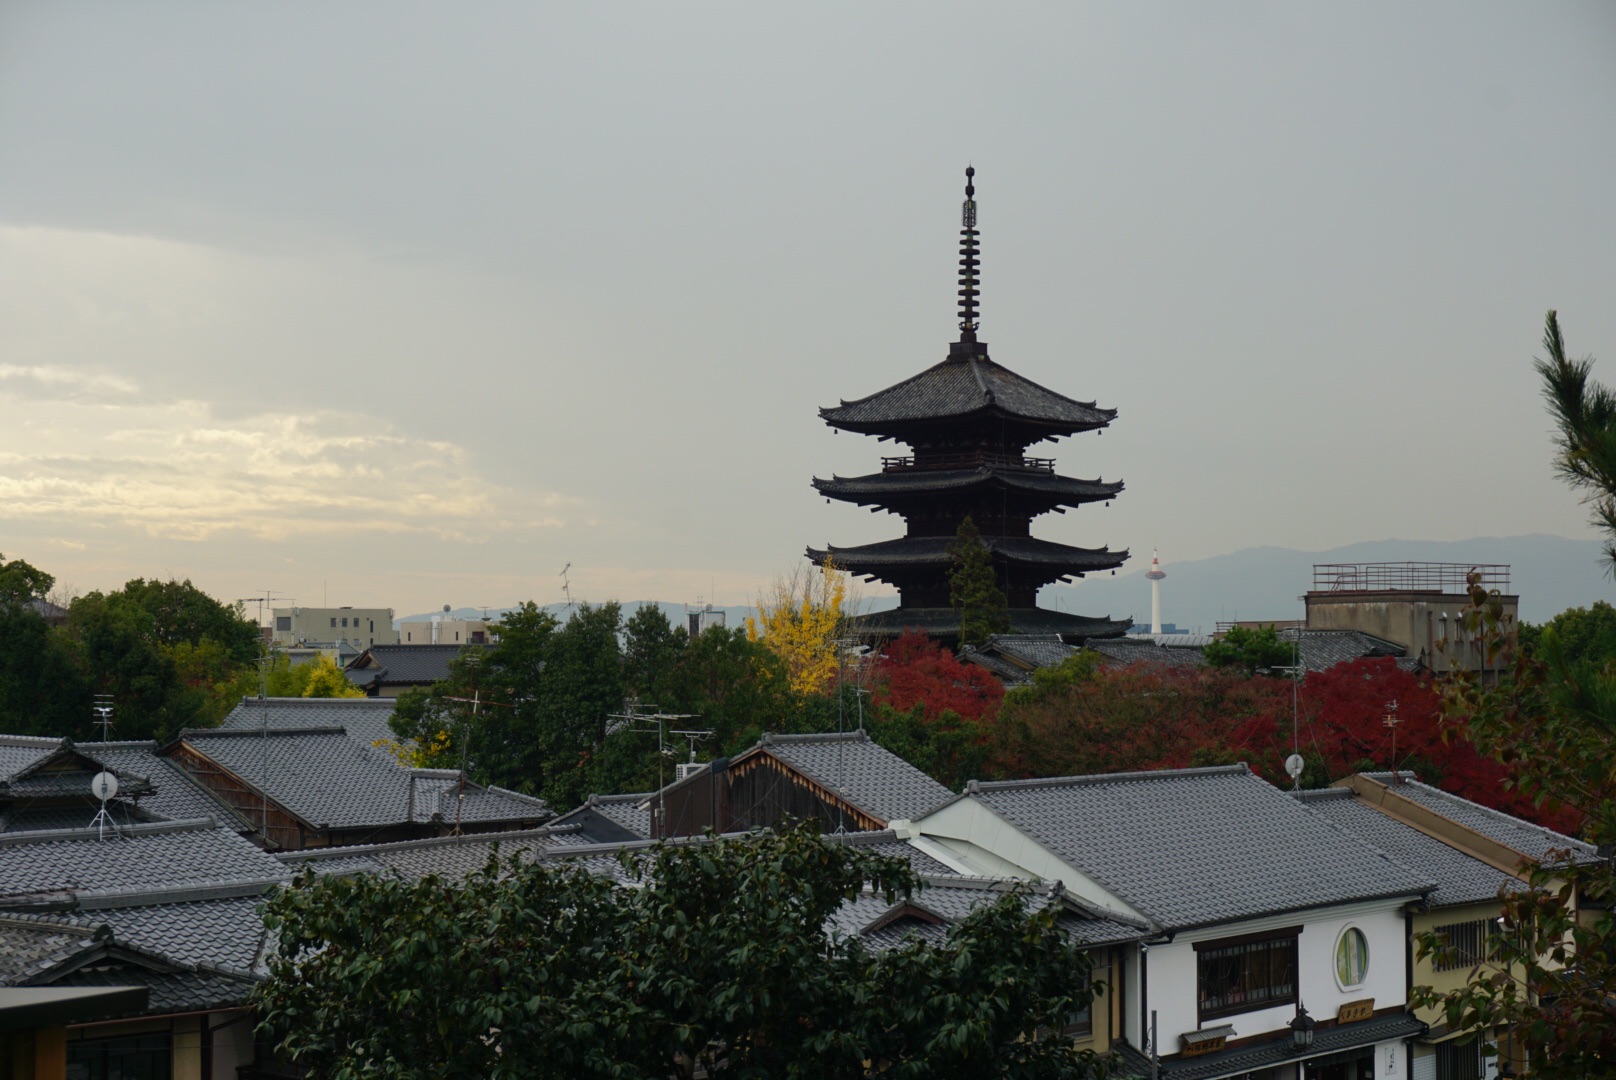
(909,428)
(945,623)
(932,551)
(1045,488)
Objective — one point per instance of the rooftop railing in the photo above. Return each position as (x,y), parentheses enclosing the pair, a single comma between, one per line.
(1408,577)
(973,459)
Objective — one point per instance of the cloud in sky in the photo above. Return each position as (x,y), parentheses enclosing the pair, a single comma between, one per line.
(427,303)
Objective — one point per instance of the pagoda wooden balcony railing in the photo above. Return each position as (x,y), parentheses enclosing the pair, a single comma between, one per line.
(970,460)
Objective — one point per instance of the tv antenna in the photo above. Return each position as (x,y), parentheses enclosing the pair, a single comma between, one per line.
(476,702)
(634,720)
(566,585)
(268,597)
(1391,720)
(103,715)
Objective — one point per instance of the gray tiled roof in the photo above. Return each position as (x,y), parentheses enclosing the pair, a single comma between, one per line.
(953,898)
(365,719)
(1533,841)
(170,991)
(18,752)
(227,932)
(1134,651)
(446,856)
(608,818)
(886,843)
(957,388)
(31,945)
(330,780)
(868,775)
(175,795)
(1460,879)
(1198,847)
(1320,650)
(72,816)
(411,664)
(143,856)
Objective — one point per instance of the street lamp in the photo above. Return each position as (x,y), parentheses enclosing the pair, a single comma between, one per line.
(1302,1029)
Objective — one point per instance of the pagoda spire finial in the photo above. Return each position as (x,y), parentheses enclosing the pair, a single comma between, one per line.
(968,261)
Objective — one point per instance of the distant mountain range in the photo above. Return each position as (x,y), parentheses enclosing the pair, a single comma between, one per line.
(1550,573)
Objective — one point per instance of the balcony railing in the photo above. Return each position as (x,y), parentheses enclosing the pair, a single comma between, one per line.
(974,459)
(1407,577)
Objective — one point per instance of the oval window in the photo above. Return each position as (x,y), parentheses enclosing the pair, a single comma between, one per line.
(1351,957)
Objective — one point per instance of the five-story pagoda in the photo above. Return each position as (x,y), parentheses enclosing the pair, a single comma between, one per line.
(969,422)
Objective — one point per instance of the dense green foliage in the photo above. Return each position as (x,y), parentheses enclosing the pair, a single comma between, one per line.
(1252,651)
(719,964)
(553,696)
(169,655)
(973,588)
(1586,636)
(1550,979)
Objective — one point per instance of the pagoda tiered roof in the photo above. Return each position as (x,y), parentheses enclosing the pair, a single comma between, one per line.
(898,483)
(907,551)
(967,386)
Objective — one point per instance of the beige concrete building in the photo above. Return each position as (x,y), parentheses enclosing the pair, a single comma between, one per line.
(442,630)
(1418,605)
(358,627)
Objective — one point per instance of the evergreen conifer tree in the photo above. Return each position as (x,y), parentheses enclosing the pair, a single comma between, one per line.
(973,589)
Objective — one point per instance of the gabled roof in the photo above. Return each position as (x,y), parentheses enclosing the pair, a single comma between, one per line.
(608,818)
(407,665)
(871,778)
(364,719)
(1135,650)
(1529,840)
(18,752)
(1321,650)
(174,795)
(943,900)
(330,781)
(967,386)
(1460,879)
(1197,847)
(64,770)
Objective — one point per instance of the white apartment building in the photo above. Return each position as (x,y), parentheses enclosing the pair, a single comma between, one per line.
(358,627)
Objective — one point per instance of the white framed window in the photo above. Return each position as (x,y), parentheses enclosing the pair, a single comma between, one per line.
(1351,958)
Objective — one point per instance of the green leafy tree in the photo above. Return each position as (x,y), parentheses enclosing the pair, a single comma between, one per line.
(326,680)
(973,588)
(1549,982)
(1250,650)
(719,964)
(651,648)
(42,691)
(1587,635)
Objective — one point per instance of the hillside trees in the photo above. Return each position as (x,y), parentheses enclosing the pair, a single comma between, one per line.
(719,964)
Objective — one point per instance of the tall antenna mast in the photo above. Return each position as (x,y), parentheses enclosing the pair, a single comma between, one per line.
(1391,721)
(566,585)
(103,715)
(104,784)
(268,597)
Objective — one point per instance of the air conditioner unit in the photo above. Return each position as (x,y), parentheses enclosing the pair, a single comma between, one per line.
(685,769)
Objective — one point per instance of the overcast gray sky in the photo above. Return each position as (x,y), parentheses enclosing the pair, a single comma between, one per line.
(411,304)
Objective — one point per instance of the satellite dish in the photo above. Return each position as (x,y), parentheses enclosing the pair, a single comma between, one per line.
(104,786)
(1294,766)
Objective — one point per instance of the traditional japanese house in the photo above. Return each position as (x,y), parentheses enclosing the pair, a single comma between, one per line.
(969,422)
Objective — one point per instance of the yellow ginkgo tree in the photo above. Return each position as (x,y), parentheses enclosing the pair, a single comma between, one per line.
(800,619)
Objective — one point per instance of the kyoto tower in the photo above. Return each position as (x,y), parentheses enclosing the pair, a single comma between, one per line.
(1155,578)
